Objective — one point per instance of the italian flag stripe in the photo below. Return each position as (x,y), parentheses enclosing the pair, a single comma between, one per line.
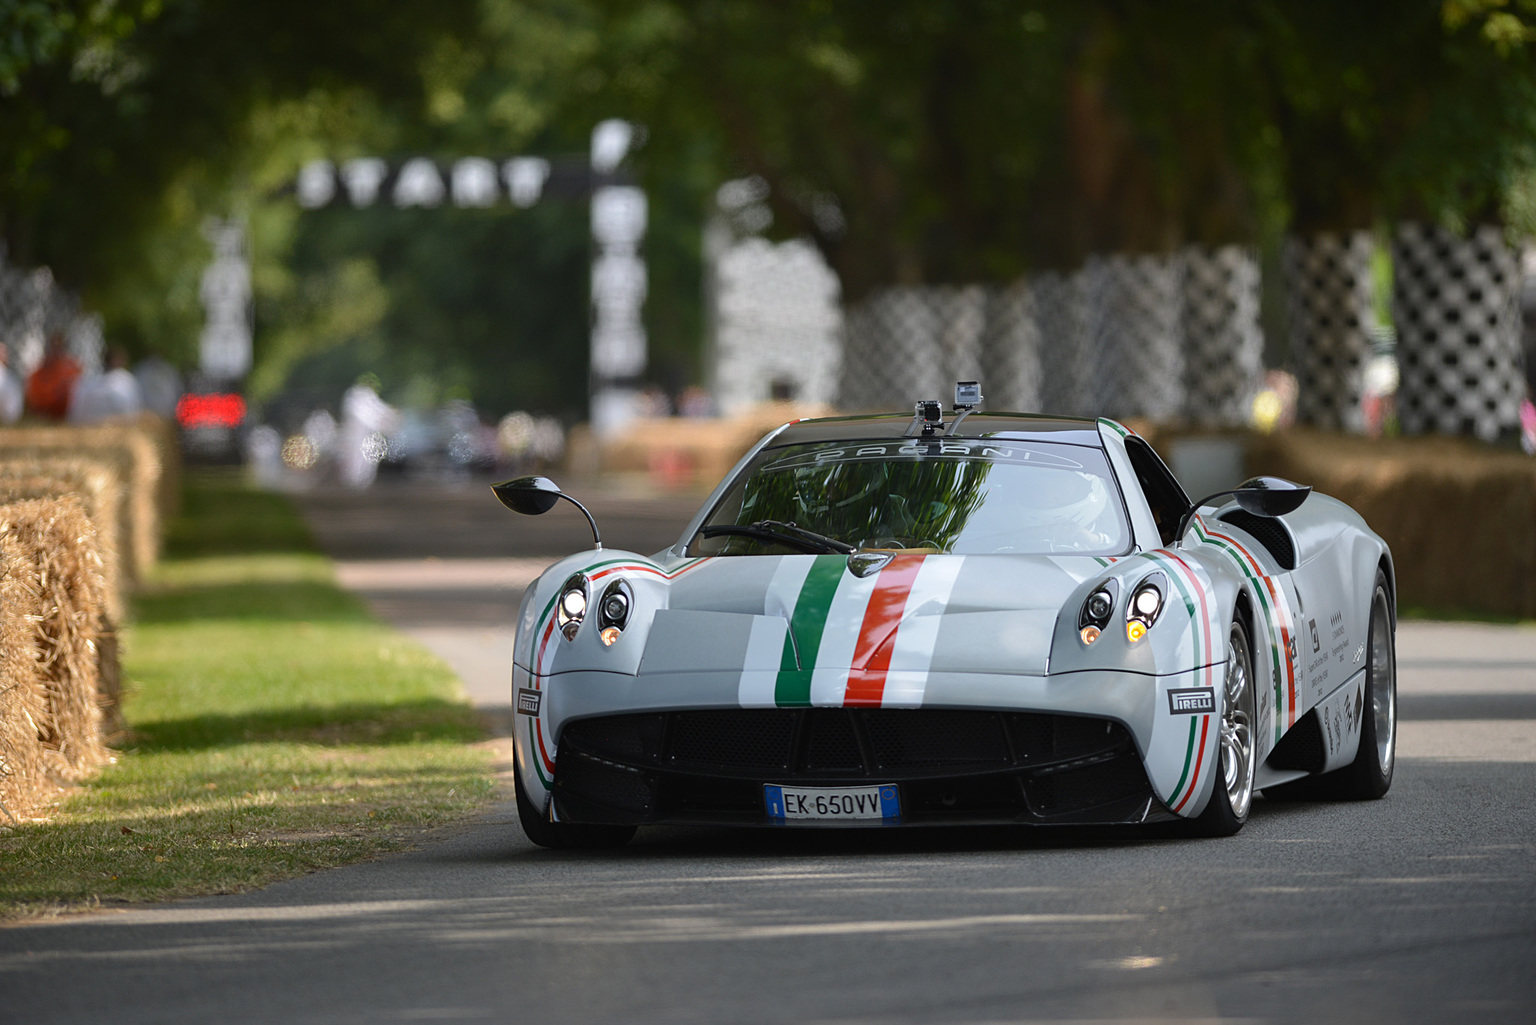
(877,634)
(806,625)
(1177,571)
(1276,615)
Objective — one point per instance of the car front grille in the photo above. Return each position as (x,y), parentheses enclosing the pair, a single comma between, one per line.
(953,764)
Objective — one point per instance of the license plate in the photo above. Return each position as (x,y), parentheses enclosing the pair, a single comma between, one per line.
(832,804)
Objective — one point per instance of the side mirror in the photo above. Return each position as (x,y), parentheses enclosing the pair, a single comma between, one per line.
(531,496)
(1271,496)
(534,496)
(1262,496)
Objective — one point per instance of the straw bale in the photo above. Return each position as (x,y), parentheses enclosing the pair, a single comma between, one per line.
(162,434)
(95,484)
(126,447)
(1460,516)
(22,780)
(51,549)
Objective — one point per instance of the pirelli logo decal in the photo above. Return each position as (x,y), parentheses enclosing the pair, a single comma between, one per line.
(528,701)
(1192,701)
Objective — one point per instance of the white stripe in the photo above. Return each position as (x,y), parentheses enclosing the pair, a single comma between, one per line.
(840,638)
(919,632)
(765,644)
(785,586)
(765,648)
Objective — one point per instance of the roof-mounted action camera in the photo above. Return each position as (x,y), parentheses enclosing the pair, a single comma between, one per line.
(967,394)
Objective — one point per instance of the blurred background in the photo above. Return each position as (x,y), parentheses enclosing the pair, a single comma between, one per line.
(441,240)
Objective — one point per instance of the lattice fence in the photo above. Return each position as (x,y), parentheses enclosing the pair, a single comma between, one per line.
(903,344)
(1067,363)
(777,323)
(1223,343)
(1456,306)
(1328,293)
(1134,313)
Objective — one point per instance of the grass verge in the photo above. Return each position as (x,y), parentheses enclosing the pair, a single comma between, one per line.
(276,728)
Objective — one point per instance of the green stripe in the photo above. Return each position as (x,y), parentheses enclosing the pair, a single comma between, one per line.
(1189,755)
(533,747)
(1114,427)
(1269,616)
(809,620)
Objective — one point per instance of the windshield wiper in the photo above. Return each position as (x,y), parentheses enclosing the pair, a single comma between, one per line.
(785,533)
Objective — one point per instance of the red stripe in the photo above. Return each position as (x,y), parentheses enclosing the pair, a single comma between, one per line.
(1283,611)
(1205,725)
(877,635)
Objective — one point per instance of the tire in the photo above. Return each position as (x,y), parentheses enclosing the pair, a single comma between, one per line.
(1369,776)
(1232,797)
(564,835)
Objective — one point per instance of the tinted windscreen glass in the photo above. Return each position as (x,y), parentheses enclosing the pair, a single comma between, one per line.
(970,497)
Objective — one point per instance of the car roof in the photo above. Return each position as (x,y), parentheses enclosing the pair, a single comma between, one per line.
(983,424)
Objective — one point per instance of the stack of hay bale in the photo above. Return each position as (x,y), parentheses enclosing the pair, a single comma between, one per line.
(80,514)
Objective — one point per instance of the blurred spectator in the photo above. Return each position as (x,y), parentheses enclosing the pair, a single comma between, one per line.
(12,391)
(264,456)
(160,385)
(695,402)
(101,396)
(652,403)
(320,432)
(52,383)
(1528,427)
(365,420)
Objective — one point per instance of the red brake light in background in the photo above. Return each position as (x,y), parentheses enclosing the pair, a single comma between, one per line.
(217,410)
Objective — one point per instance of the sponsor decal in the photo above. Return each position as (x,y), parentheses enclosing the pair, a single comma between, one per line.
(1192,700)
(1317,644)
(1359,652)
(528,701)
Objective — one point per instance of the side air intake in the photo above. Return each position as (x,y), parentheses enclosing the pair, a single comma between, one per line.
(1268,532)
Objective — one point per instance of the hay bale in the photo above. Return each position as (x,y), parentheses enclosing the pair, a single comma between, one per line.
(22,780)
(95,484)
(1460,516)
(129,450)
(58,596)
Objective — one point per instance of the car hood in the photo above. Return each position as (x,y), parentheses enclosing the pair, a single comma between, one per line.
(830,616)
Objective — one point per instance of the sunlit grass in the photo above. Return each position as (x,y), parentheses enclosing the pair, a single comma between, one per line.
(275,729)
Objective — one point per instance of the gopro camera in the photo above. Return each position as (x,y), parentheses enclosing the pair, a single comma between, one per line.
(967,394)
(930,411)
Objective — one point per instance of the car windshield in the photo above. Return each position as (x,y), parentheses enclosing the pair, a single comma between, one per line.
(959,495)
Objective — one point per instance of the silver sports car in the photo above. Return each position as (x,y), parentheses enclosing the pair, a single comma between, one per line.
(903,620)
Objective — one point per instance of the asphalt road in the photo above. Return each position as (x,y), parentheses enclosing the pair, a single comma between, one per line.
(1417,908)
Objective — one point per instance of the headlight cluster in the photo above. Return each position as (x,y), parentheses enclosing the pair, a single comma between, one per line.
(613,608)
(572,607)
(1140,612)
(1143,608)
(1097,610)
(613,611)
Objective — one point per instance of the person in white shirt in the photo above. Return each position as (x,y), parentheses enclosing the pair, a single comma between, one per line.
(101,396)
(13,391)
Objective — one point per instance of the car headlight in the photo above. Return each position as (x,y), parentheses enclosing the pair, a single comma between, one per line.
(1094,616)
(572,606)
(613,611)
(1144,607)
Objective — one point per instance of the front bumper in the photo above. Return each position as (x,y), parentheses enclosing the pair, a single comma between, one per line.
(951,766)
